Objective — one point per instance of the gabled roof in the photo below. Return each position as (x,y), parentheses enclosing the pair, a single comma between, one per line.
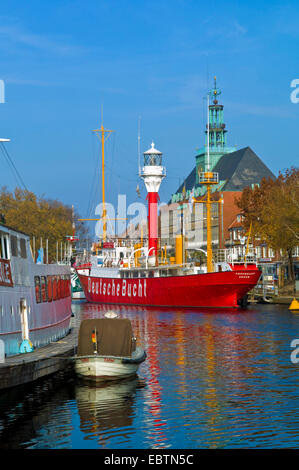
(241,168)
(235,224)
(189,182)
(238,169)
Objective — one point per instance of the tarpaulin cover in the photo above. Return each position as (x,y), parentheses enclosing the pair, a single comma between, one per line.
(114,337)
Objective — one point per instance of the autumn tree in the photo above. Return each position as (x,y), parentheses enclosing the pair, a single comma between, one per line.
(272,209)
(38,217)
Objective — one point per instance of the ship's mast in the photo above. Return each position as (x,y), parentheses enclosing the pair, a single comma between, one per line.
(209,178)
(101,134)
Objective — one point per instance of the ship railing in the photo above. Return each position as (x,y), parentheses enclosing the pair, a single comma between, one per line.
(228,256)
(208,177)
(83,259)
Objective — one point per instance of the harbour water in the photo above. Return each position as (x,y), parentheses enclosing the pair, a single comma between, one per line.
(212,379)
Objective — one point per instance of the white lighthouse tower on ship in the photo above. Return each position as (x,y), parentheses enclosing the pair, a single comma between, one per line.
(152,173)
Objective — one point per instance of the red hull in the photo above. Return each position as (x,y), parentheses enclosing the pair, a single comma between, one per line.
(221,289)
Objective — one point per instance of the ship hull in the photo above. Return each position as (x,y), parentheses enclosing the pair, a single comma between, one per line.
(46,320)
(221,289)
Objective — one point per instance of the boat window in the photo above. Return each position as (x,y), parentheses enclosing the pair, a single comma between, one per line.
(54,286)
(68,284)
(62,287)
(49,284)
(3,247)
(14,245)
(44,288)
(58,281)
(23,248)
(37,289)
(65,285)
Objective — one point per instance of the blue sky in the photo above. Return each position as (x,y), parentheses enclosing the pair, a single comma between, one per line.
(62,60)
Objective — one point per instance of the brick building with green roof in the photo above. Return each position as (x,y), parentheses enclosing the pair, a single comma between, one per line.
(237,169)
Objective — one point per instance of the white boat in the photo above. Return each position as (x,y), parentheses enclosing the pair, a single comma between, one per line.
(107,350)
(35,299)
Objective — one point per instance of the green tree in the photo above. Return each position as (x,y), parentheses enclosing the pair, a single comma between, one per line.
(38,217)
(272,208)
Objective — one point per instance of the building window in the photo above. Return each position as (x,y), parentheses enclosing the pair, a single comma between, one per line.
(258,251)
(296,251)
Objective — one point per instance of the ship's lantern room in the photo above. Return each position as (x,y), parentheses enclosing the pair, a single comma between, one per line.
(152,157)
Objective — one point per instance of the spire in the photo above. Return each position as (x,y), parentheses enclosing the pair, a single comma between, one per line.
(217,138)
(215,92)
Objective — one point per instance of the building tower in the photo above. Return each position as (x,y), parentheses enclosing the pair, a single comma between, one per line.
(217,131)
(152,173)
(217,135)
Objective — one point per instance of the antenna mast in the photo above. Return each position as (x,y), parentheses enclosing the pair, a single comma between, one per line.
(139,167)
(208,135)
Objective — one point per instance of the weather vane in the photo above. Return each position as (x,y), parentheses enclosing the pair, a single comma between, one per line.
(215,92)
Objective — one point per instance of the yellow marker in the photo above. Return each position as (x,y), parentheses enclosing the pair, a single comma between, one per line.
(294,304)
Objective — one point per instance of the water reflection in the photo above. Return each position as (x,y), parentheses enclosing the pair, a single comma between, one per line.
(211,379)
(106,408)
(26,410)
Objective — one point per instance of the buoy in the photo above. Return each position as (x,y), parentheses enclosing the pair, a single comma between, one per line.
(294,304)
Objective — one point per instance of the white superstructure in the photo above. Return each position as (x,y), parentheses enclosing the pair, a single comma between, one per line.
(35,299)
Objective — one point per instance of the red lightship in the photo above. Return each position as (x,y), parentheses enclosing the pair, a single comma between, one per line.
(132,274)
